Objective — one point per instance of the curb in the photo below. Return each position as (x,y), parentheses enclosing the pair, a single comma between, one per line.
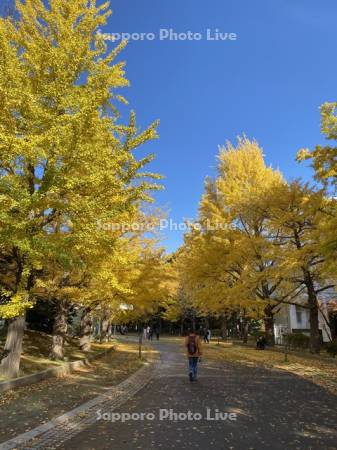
(64,369)
(54,433)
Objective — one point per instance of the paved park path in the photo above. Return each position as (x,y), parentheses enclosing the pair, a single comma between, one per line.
(275,410)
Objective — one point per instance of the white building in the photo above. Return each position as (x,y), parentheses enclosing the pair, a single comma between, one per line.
(295,319)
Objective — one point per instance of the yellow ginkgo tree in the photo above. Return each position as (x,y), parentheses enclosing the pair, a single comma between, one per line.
(66,163)
(296,213)
(229,261)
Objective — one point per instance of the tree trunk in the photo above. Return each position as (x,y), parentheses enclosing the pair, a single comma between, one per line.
(315,337)
(59,330)
(269,324)
(98,329)
(223,327)
(182,327)
(10,363)
(333,325)
(206,323)
(245,324)
(10,357)
(109,334)
(104,329)
(235,322)
(193,322)
(85,332)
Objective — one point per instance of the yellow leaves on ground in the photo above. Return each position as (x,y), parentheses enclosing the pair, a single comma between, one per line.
(321,370)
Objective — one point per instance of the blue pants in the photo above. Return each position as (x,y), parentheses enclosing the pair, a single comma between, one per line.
(193,365)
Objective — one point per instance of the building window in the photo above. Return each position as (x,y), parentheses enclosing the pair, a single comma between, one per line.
(299,315)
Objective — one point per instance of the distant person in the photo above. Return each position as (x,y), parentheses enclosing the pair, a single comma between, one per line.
(151,334)
(148,328)
(157,334)
(145,333)
(194,353)
(207,335)
(261,343)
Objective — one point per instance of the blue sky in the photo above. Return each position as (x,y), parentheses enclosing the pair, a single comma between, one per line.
(267,84)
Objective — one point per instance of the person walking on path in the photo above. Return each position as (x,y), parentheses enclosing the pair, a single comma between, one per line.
(150,334)
(157,333)
(207,335)
(194,353)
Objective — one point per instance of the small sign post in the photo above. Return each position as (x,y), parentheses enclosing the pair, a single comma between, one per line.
(285,344)
(140,341)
